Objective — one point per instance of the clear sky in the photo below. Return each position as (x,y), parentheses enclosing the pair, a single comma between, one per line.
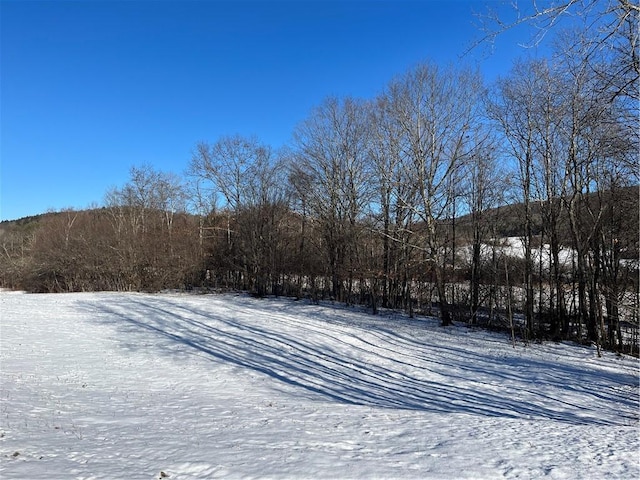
(92,88)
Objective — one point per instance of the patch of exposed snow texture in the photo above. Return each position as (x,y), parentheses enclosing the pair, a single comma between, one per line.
(514,247)
(136,386)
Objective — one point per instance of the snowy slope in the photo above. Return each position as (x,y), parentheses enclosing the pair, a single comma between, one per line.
(126,386)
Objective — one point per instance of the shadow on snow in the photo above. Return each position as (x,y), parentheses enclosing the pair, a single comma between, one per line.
(358,360)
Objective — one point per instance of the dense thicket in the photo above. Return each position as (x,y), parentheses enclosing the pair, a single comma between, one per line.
(511,206)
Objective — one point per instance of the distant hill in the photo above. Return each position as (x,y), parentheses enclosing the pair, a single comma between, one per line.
(508,220)
(23,224)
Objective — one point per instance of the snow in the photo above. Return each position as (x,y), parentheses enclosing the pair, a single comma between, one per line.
(514,247)
(137,386)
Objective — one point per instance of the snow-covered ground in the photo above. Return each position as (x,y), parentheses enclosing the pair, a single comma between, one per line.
(134,386)
(514,247)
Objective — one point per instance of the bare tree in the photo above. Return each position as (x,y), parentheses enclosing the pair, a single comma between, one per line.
(332,176)
(484,184)
(16,249)
(391,208)
(515,109)
(435,110)
(549,188)
(250,178)
(143,214)
(598,27)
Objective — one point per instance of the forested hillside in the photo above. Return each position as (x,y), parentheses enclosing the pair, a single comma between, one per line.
(513,205)
(277,250)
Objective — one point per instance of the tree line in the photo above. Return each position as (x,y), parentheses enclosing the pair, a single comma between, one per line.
(402,201)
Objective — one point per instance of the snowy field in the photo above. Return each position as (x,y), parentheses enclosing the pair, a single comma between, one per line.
(134,386)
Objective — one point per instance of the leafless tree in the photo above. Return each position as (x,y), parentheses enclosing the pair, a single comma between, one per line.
(549,187)
(483,190)
(515,108)
(148,252)
(332,177)
(435,110)
(598,27)
(391,205)
(250,179)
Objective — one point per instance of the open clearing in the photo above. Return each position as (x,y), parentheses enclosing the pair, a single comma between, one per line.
(126,386)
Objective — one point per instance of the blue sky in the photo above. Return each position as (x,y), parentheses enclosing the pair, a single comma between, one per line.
(92,88)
